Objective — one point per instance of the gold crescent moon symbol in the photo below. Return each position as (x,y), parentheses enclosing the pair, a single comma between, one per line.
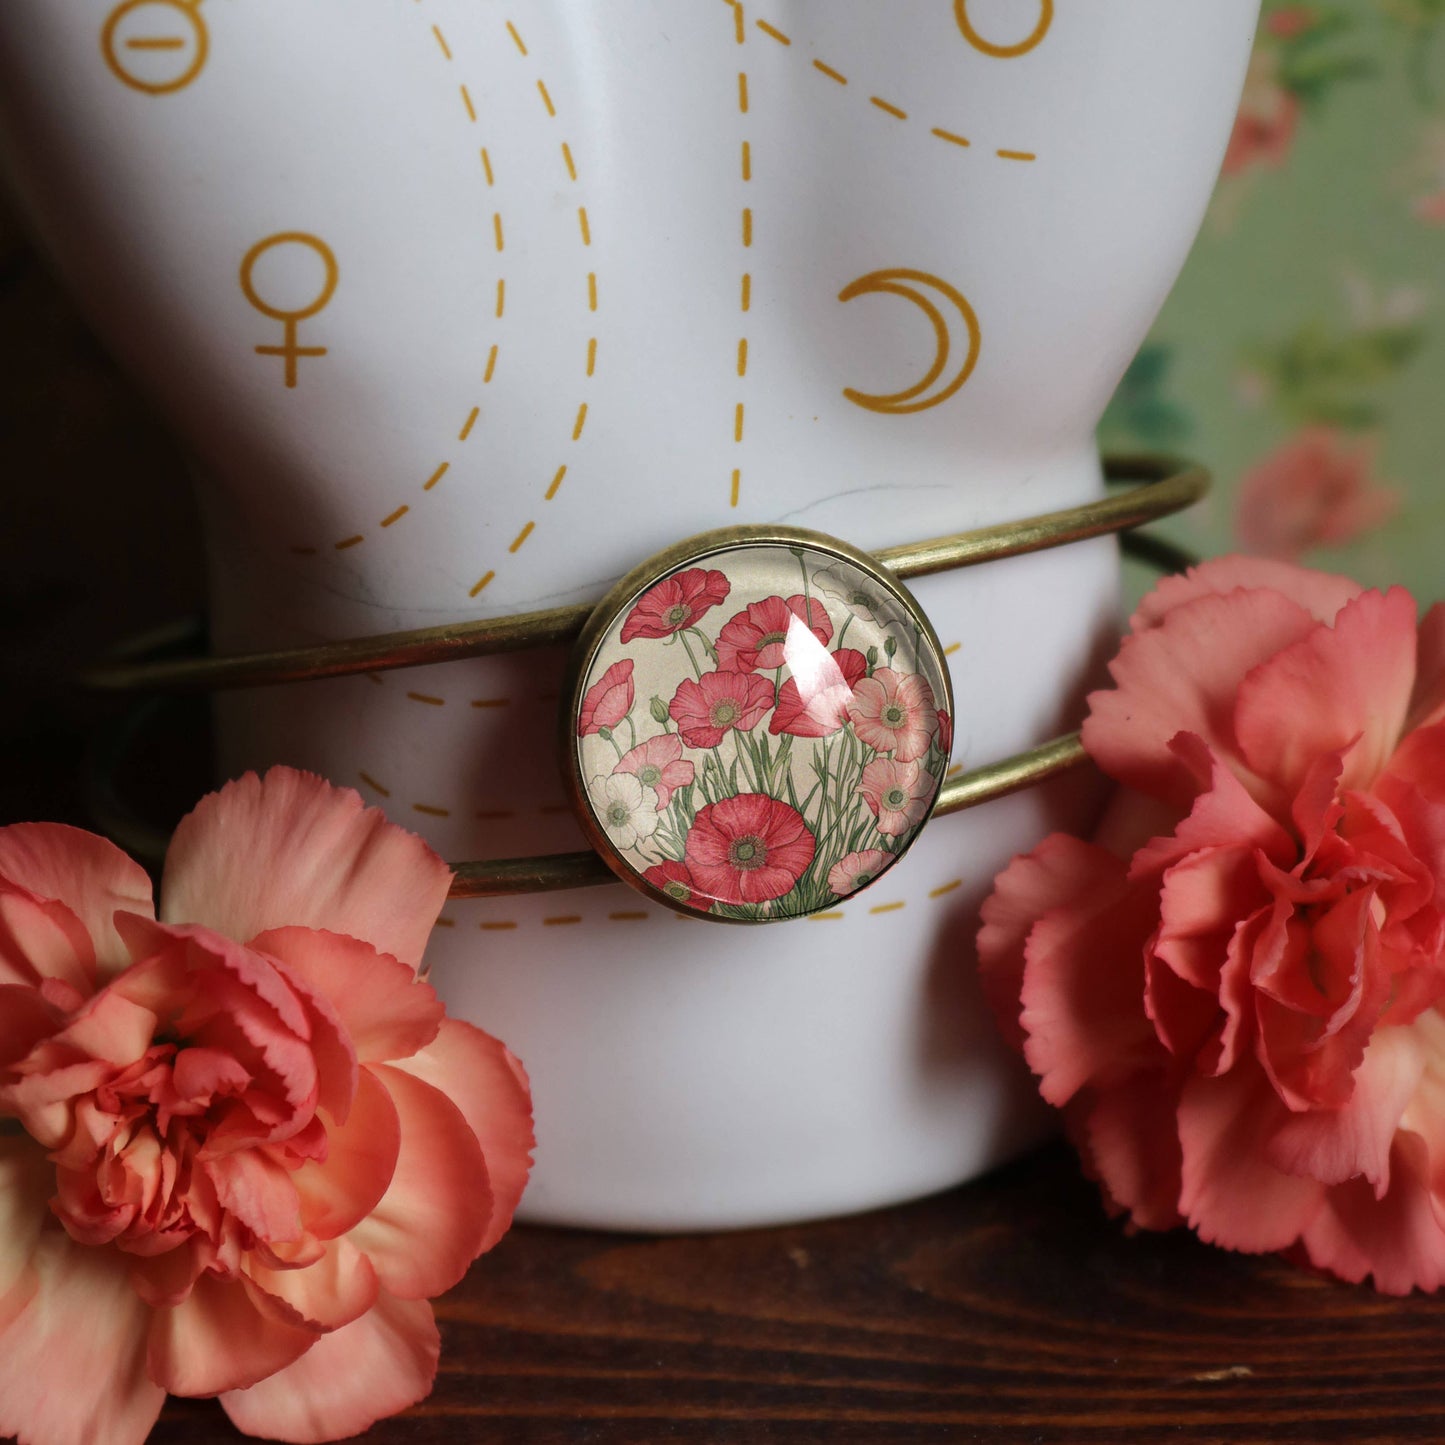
(913,286)
(1004,52)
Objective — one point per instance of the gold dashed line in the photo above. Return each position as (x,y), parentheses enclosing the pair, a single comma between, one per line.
(512,30)
(567,157)
(396,516)
(737,486)
(591,290)
(628,917)
(497,229)
(581,422)
(521,537)
(946,888)
(467,101)
(591,355)
(1016,155)
(497,926)
(546,99)
(956,768)
(442,41)
(491,363)
(773,31)
(561,919)
(742,356)
(747,161)
(346,542)
(470,422)
(478,586)
(738,30)
(886,907)
(491,701)
(951,648)
(446,923)
(743,91)
(738,423)
(824,917)
(428,699)
(501,296)
(556,483)
(747,225)
(747,292)
(582,224)
(949,136)
(436,476)
(887,106)
(431,810)
(487,167)
(832,75)
(374,785)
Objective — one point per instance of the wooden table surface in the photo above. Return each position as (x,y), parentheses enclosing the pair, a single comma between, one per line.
(1009,1310)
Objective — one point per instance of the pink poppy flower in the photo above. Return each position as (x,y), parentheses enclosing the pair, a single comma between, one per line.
(659,764)
(1269,114)
(675,880)
(823,708)
(748,849)
(857,870)
(1317,490)
(894,713)
(674,603)
(755,640)
(945,734)
(240,1147)
(608,700)
(1234,991)
(897,793)
(705,711)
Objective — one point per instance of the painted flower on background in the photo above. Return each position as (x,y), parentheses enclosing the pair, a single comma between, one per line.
(659,764)
(608,700)
(627,809)
(1317,490)
(945,733)
(243,1145)
(708,708)
(894,713)
(748,849)
(674,603)
(871,604)
(754,640)
(1269,114)
(1234,992)
(857,870)
(824,709)
(674,879)
(897,794)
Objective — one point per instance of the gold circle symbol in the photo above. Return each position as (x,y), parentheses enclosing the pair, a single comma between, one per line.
(1004,52)
(155,46)
(289,238)
(924,290)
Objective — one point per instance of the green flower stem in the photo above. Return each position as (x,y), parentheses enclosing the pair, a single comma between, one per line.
(691,655)
(843,630)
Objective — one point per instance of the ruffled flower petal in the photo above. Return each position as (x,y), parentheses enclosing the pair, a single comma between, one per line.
(1321,594)
(291,850)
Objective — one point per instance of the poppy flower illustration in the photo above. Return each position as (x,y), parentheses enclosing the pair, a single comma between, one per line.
(675,880)
(627,809)
(816,705)
(707,709)
(659,764)
(748,849)
(898,794)
(674,603)
(857,870)
(608,700)
(753,640)
(847,585)
(894,713)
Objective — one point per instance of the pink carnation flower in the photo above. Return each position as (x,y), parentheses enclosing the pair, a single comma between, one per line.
(894,713)
(1233,992)
(242,1145)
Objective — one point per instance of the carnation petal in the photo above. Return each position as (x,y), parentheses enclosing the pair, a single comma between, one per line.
(1321,594)
(26,1182)
(360,1161)
(373,1367)
(1183,675)
(42,941)
(387,1011)
(73,1360)
(91,876)
(1341,683)
(430,1224)
(1230,1193)
(219,1339)
(290,850)
(327,1295)
(487,1082)
(1427,705)
(1133,1145)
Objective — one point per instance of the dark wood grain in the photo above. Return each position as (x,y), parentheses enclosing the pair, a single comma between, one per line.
(1008,1311)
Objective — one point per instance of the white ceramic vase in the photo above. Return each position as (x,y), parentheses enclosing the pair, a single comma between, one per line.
(465,307)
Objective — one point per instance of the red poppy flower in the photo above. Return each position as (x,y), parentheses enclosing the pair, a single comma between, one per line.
(707,709)
(894,713)
(945,733)
(754,640)
(608,700)
(816,706)
(659,764)
(674,603)
(748,849)
(674,880)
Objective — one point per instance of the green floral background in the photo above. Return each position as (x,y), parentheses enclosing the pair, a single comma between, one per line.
(1302,354)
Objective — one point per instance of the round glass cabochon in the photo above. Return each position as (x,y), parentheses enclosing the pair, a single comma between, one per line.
(761,732)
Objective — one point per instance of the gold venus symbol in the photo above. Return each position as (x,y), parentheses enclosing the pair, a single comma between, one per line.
(155,46)
(289,349)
